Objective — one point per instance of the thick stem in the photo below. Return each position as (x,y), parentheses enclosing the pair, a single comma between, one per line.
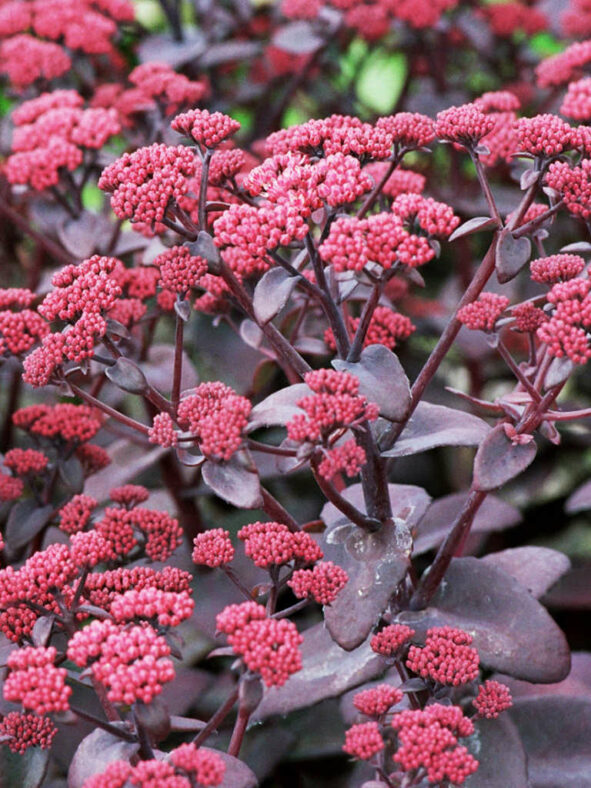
(333,315)
(365,320)
(115,730)
(238,732)
(508,359)
(203,189)
(342,504)
(178,364)
(274,509)
(217,718)
(127,420)
(371,198)
(430,581)
(485,186)
(485,270)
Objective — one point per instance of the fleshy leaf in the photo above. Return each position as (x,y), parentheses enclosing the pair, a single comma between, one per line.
(272,293)
(327,672)
(473,226)
(278,408)
(375,562)
(498,460)
(501,758)
(381,379)
(536,568)
(513,633)
(25,521)
(580,500)
(493,515)
(95,753)
(165,49)
(26,770)
(436,425)
(126,375)
(555,732)
(511,255)
(297,38)
(236,481)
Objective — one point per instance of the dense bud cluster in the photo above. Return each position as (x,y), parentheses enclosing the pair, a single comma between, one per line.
(446,657)
(390,639)
(363,740)
(273,544)
(377,701)
(483,314)
(35,682)
(27,730)
(213,548)
(493,698)
(322,583)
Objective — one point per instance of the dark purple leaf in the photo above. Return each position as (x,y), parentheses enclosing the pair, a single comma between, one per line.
(558,372)
(205,247)
(327,672)
(95,753)
(117,329)
(573,590)
(580,500)
(72,473)
(26,770)
(251,333)
(498,461)
(158,369)
(81,237)
(493,515)
(25,521)
(236,481)
(511,255)
(513,633)
(536,568)
(126,375)
(229,52)
(272,293)
(577,248)
(436,425)
(128,460)
(311,346)
(154,718)
(189,455)
(528,178)
(409,503)
(381,379)
(183,309)
(555,733)
(297,38)
(165,49)
(473,226)
(576,684)
(278,408)
(497,747)
(375,562)
(42,630)
(185,724)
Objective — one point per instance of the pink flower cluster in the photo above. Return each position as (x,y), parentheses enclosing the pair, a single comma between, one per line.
(377,701)
(565,66)
(213,548)
(132,662)
(483,314)
(363,741)
(446,657)
(334,404)
(268,646)
(20,328)
(389,640)
(464,125)
(574,184)
(428,739)
(207,129)
(27,730)
(145,182)
(493,698)
(348,458)
(72,424)
(179,269)
(166,608)
(102,588)
(322,583)
(273,544)
(556,268)
(35,682)
(216,416)
(25,461)
(186,767)
(566,332)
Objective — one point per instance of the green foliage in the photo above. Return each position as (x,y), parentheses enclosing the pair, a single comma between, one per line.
(381,80)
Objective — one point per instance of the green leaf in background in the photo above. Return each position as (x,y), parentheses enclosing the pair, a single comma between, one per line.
(149,14)
(5,104)
(545,44)
(244,116)
(381,80)
(92,197)
(293,116)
